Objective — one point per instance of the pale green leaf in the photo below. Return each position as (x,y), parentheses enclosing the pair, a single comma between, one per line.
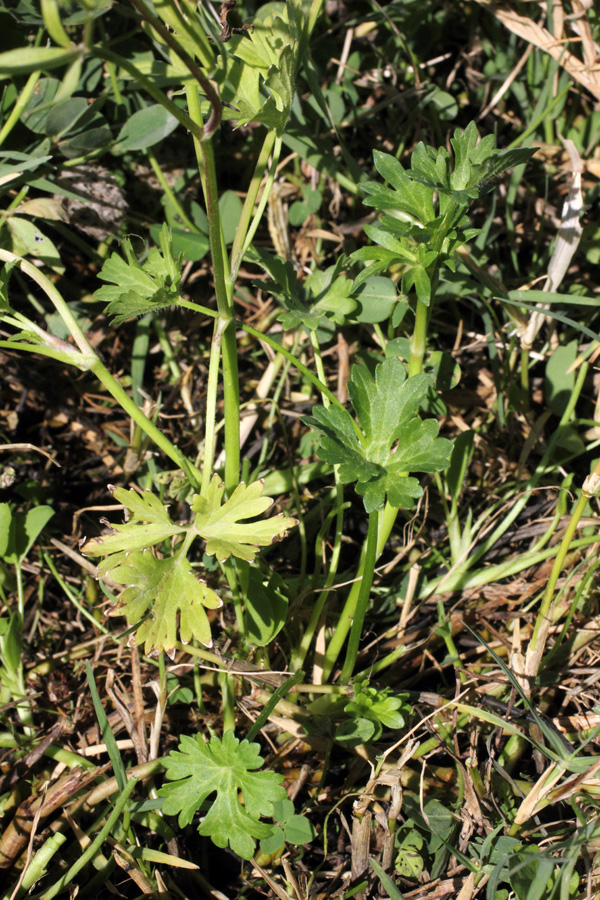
(149,524)
(145,128)
(5,520)
(198,769)
(21,530)
(160,590)
(226,528)
(44,208)
(377,297)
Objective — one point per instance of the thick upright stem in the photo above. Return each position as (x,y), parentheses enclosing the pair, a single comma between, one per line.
(418,340)
(224,294)
(388,518)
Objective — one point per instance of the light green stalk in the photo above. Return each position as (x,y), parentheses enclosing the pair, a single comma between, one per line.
(224,295)
(591,488)
(95,846)
(85,358)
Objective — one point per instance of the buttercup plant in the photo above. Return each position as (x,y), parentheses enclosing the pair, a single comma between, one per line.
(422,222)
(199,75)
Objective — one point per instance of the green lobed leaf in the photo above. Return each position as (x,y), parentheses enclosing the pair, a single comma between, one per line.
(226,528)
(199,769)
(160,590)
(262,66)
(149,524)
(394,439)
(137,289)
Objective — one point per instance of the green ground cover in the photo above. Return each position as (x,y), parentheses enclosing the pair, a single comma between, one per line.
(299,426)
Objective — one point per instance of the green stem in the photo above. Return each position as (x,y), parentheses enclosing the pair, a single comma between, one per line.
(171,41)
(224,295)
(211,404)
(242,237)
(55,298)
(126,403)
(565,546)
(299,656)
(258,214)
(525,377)
(189,31)
(39,864)
(233,581)
(364,593)
(87,360)
(313,14)
(228,695)
(108,56)
(169,193)
(418,341)
(275,345)
(304,370)
(20,104)
(276,698)
(96,844)
(388,518)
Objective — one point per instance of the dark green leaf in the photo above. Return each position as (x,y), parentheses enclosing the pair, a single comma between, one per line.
(377,297)
(145,128)
(87,142)
(64,116)
(266,608)
(387,410)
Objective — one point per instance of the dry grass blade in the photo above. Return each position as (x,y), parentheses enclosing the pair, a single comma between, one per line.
(586,72)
